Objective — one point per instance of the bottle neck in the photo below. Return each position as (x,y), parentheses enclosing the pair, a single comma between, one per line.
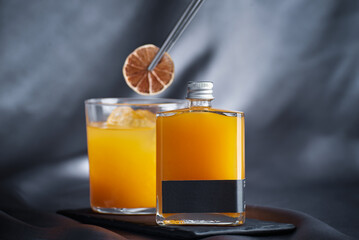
(200,103)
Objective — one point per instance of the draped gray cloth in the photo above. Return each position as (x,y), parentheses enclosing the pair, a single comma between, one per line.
(291,66)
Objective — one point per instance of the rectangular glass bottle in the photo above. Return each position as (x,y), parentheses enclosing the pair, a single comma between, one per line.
(200,163)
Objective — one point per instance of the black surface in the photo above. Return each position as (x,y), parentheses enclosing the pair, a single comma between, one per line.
(147,224)
(209,196)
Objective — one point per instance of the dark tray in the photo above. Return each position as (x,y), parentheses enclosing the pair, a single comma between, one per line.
(147,224)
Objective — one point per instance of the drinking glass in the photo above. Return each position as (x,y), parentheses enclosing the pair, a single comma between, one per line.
(121,140)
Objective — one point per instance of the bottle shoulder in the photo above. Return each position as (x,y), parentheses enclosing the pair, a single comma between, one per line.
(201,110)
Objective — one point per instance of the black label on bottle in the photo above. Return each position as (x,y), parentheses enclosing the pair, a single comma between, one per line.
(207,196)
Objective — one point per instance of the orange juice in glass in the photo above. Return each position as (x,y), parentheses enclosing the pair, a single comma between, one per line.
(121,139)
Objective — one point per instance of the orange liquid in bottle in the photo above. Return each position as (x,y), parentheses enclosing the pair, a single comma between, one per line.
(200,146)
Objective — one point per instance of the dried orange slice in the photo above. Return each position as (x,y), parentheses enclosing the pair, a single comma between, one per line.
(147,82)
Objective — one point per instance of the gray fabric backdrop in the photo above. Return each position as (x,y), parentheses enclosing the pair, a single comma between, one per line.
(292,67)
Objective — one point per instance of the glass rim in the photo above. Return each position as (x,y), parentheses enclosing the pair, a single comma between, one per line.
(134,101)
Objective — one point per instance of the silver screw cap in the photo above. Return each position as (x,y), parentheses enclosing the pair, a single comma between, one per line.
(200,90)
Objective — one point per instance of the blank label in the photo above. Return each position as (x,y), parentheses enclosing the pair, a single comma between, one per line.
(208,196)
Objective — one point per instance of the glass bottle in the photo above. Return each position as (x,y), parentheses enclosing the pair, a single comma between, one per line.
(200,163)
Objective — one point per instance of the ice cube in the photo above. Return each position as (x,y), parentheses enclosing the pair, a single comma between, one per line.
(126,117)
